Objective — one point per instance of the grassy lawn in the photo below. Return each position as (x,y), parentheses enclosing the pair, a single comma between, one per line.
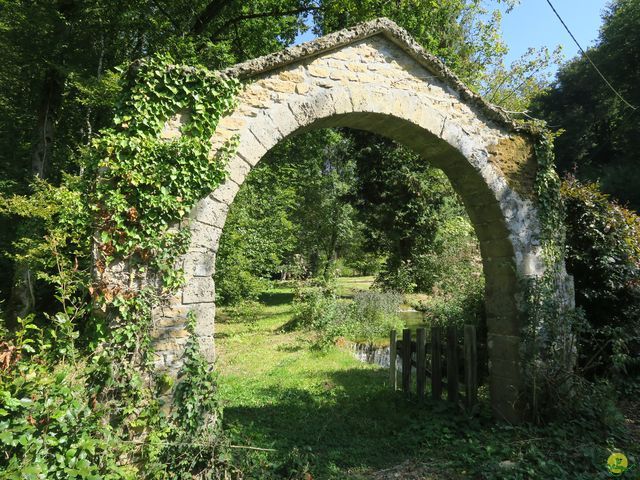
(327,414)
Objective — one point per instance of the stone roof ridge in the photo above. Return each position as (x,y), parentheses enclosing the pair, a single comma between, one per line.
(396,34)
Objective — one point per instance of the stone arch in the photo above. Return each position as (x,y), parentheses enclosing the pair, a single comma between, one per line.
(375,77)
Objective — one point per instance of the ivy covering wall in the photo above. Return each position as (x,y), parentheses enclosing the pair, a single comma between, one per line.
(128,207)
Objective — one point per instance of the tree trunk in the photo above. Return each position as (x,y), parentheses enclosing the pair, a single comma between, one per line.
(49,106)
(22,300)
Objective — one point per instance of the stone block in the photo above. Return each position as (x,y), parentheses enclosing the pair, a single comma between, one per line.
(199,264)
(341,99)
(210,212)
(198,289)
(490,230)
(232,122)
(318,71)
(503,347)
(302,88)
(357,67)
(281,86)
(497,248)
(506,322)
(505,398)
(238,169)
(295,76)
(205,318)
(226,192)
(250,148)
(256,95)
(207,348)
(265,130)
(159,335)
(204,236)
(338,75)
(172,346)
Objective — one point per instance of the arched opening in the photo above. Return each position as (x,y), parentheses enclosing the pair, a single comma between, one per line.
(500,253)
(381,82)
(279,375)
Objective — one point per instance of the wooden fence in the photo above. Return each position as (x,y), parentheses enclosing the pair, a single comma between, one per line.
(444,361)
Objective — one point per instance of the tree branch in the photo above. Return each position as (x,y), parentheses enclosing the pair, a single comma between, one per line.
(159,6)
(251,16)
(213,10)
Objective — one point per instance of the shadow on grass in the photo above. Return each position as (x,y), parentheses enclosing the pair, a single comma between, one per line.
(274,299)
(349,423)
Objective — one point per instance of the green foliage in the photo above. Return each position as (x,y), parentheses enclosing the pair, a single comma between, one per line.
(514,88)
(403,202)
(51,430)
(291,219)
(146,183)
(139,187)
(194,443)
(599,131)
(270,386)
(603,255)
(369,317)
(373,314)
(57,250)
(548,353)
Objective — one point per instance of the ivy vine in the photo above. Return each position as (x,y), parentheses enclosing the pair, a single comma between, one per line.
(148,177)
(547,338)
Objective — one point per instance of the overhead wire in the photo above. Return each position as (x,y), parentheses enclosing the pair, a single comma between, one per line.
(589,58)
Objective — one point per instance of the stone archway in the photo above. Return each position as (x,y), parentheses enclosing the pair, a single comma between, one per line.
(375,77)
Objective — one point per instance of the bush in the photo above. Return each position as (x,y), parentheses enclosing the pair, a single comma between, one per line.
(314,308)
(454,274)
(373,314)
(464,306)
(603,255)
(49,430)
(397,278)
(370,316)
(235,285)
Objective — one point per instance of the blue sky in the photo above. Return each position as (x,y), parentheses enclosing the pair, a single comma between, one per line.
(533,24)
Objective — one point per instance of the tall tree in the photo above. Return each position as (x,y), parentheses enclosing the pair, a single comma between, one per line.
(600,131)
(58,81)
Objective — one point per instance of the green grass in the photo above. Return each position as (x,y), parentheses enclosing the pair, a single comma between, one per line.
(331,416)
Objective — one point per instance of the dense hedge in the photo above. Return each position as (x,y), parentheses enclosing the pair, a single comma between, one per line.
(603,255)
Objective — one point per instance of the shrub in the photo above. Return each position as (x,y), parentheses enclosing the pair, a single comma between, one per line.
(373,314)
(454,274)
(49,430)
(603,255)
(370,316)
(235,285)
(397,278)
(314,307)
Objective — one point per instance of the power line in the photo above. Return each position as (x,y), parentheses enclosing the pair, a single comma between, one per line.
(589,58)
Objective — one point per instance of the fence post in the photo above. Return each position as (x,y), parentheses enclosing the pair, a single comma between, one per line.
(406,361)
(421,360)
(470,365)
(452,364)
(393,352)
(436,364)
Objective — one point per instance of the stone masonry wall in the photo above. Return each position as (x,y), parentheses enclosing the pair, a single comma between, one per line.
(375,83)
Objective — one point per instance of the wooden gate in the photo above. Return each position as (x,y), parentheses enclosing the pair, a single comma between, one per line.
(446,361)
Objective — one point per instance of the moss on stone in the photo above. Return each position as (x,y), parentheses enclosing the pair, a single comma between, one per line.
(515,157)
